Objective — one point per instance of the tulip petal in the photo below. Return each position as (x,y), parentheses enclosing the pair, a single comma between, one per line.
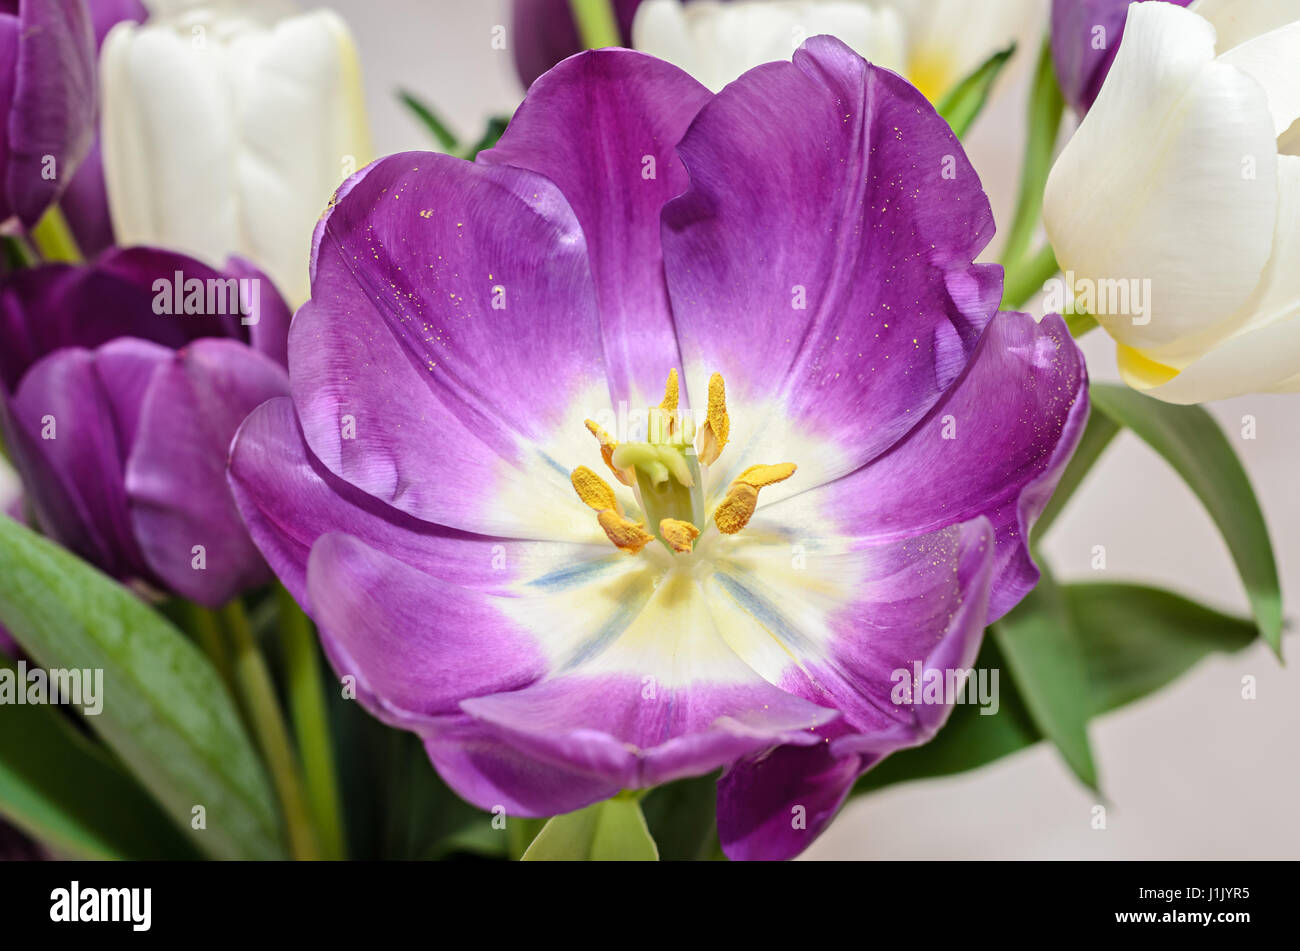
(1273,60)
(1194,122)
(176,471)
(1236,21)
(453,327)
(868,306)
(603,126)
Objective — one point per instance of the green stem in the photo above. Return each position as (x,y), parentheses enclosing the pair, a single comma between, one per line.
(1027,278)
(311,723)
(54,239)
(272,736)
(596,23)
(1080,324)
(208,632)
(1046,106)
(17,253)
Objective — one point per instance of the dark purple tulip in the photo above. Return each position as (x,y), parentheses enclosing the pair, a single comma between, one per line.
(807,235)
(544,33)
(119,417)
(47,102)
(1085,38)
(85,203)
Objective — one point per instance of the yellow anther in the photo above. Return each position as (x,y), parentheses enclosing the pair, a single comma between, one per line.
(607,447)
(669,405)
(717,426)
(759,476)
(626,534)
(595,491)
(734,511)
(737,506)
(680,535)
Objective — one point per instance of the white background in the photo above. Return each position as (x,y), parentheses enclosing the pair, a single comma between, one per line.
(1193,772)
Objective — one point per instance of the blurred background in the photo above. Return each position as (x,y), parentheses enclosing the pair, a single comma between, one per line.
(1194,771)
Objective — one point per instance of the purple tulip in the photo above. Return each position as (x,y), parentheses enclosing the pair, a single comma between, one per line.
(47,102)
(798,247)
(85,204)
(124,394)
(1085,38)
(544,33)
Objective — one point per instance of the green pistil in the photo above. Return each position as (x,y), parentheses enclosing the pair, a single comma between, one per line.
(668,477)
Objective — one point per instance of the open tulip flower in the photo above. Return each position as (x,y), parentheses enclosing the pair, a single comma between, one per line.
(656,440)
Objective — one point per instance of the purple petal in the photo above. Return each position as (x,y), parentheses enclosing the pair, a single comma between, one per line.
(1085,38)
(417,646)
(74,480)
(829,183)
(543,33)
(603,126)
(445,390)
(52,110)
(995,446)
(289,499)
(176,471)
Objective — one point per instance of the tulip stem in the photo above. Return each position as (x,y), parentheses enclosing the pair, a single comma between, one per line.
(311,723)
(596,23)
(1046,106)
(54,239)
(263,708)
(1027,278)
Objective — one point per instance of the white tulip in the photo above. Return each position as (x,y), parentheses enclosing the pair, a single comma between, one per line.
(226,128)
(1181,190)
(934,43)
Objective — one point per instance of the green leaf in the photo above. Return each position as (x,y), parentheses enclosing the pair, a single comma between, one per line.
(1189,440)
(1097,435)
(682,818)
(64,791)
(613,830)
(1045,658)
(496,127)
(165,711)
(1135,640)
(1139,639)
(442,135)
(966,100)
(1046,106)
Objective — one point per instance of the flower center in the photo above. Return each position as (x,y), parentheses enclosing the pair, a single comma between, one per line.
(667,473)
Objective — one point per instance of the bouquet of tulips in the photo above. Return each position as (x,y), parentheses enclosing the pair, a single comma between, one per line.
(646,479)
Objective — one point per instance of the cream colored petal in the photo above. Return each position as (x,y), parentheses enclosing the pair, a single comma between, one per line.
(1171,178)
(1237,21)
(1264,353)
(1273,60)
(716,42)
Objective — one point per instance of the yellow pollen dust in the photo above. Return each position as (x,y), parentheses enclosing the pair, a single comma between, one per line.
(607,447)
(671,393)
(717,426)
(737,506)
(679,534)
(596,493)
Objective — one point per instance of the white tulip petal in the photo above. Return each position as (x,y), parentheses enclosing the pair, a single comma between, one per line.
(1236,21)
(1264,354)
(949,39)
(1171,178)
(716,42)
(1273,60)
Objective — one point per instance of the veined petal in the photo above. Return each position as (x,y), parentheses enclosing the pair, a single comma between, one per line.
(837,289)
(176,470)
(1192,121)
(661,699)
(451,349)
(603,126)
(288,500)
(987,449)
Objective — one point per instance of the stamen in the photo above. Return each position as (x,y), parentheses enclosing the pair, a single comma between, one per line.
(669,404)
(678,534)
(717,427)
(737,507)
(626,534)
(594,491)
(607,447)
